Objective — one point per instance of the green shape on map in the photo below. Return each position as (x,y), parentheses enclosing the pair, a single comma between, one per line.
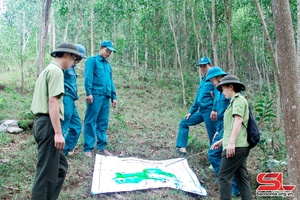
(147,174)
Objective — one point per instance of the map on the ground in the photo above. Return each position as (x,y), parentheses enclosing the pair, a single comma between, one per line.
(113,174)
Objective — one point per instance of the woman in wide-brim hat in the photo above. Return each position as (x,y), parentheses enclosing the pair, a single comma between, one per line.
(234,140)
(215,75)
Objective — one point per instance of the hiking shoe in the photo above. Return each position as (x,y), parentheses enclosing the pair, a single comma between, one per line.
(105,153)
(181,151)
(88,154)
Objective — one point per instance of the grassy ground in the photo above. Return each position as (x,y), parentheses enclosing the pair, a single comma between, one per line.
(144,125)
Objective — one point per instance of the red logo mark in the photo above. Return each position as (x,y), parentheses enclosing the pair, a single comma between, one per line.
(272,182)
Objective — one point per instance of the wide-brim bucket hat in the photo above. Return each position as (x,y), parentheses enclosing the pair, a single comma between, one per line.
(214,72)
(230,79)
(67,47)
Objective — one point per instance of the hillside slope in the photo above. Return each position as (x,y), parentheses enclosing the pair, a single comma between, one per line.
(144,125)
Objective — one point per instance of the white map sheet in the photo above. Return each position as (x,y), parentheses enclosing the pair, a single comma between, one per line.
(113,174)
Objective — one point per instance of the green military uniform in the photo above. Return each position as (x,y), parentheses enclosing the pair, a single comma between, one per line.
(49,84)
(52,166)
(236,165)
(237,106)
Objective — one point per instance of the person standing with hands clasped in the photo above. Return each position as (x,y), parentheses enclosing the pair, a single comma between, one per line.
(100,91)
(52,166)
(235,146)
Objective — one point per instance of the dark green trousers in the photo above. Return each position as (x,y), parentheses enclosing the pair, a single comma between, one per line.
(235,166)
(52,166)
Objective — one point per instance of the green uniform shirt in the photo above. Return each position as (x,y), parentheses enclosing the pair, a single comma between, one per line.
(50,83)
(237,106)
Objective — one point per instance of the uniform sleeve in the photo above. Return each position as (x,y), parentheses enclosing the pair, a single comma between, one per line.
(216,99)
(113,90)
(194,107)
(55,81)
(89,75)
(238,107)
(219,126)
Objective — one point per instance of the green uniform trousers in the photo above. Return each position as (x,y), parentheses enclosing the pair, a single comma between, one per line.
(235,166)
(52,166)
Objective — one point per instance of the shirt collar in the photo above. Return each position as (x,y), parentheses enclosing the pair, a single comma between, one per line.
(54,62)
(101,58)
(235,96)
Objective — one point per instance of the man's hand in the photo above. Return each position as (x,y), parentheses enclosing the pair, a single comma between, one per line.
(213,115)
(59,141)
(216,145)
(89,99)
(114,103)
(187,116)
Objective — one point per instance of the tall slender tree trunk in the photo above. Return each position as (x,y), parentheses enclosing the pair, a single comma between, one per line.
(92,27)
(266,72)
(160,60)
(203,47)
(171,21)
(269,85)
(274,61)
(146,50)
(256,66)
(44,24)
(195,31)
(298,27)
(205,16)
(288,63)
(22,52)
(137,57)
(136,54)
(53,35)
(156,55)
(214,34)
(79,22)
(227,9)
(185,35)
(66,29)
(198,35)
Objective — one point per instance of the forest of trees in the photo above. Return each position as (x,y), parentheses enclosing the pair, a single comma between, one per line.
(147,33)
(257,40)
